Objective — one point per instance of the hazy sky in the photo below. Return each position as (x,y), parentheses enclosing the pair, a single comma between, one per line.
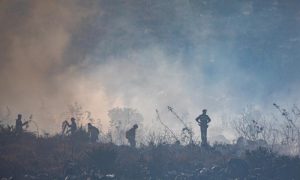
(148,54)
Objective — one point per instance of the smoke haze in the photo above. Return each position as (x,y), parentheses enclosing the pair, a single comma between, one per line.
(147,55)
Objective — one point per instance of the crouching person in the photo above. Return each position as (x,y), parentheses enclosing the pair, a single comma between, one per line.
(130,135)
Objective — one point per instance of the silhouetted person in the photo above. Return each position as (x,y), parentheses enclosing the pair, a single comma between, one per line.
(20,124)
(130,135)
(72,126)
(203,121)
(93,132)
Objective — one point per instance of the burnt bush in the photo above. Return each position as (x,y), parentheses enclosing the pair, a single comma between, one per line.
(102,158)
(58,157)
(267,164)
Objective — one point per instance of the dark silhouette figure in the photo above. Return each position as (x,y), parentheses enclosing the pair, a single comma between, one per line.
(203,121)
(130,135)
(93,133)
(72,127)
(20,124)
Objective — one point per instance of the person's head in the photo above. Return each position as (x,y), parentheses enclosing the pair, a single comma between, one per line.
(204,111)
(89,125)
(135,126)
(73,119)
(19,116)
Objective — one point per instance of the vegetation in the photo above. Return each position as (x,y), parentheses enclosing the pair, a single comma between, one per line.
(66,157)
(257,154)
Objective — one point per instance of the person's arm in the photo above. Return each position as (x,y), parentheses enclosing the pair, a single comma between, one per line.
(67,123)
(197,119)
(69,127)
(25,123)
(208,119)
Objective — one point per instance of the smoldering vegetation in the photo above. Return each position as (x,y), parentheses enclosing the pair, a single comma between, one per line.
(261,151)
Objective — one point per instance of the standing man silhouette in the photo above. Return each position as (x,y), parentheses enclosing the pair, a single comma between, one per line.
(203,120)
(20,124)
(93,133)
(72,127)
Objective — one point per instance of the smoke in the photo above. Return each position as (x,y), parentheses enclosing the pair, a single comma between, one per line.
(147,55)
(35,36)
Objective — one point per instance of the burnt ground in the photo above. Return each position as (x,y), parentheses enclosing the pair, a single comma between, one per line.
(58,157)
